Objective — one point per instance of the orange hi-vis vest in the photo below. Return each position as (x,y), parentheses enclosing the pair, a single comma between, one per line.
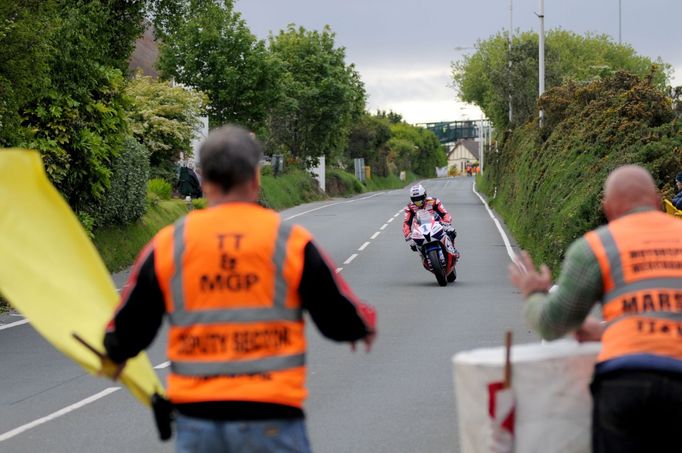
(230,277)
(640,257)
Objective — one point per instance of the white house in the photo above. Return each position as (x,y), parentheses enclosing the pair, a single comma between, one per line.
(461,153)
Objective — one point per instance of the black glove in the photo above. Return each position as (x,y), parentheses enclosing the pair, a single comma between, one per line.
(412,244)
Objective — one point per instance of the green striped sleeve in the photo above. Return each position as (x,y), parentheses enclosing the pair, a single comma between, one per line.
(579,288)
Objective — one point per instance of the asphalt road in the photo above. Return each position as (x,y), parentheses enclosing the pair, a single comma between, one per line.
(397,398)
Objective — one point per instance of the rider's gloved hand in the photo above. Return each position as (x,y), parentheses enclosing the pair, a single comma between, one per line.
(450,229)
(412,244)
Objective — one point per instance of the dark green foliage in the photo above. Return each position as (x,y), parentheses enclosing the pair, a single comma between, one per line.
(71,107)
(24,68)
(368,139)
(319,95)
(125,201)
(549,181)
(213,50)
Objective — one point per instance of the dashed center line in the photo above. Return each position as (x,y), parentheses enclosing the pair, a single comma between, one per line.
(363,246)
(374,236)
(339,269)
(383,226)
(162,365)
(350,258)
(390,220)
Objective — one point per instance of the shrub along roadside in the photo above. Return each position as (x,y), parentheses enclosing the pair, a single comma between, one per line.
(550,180)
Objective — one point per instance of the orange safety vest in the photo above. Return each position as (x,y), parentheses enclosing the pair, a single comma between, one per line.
(640,258)
(230,277)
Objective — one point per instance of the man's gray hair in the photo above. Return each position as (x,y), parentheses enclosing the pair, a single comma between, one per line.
(229,157)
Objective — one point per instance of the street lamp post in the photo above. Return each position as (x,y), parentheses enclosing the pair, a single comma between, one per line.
(509,39)
(541,55)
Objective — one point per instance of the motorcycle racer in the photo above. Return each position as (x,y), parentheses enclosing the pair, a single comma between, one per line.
(419,200)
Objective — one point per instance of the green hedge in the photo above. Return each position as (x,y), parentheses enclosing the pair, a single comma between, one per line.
(125,200)
(549,180)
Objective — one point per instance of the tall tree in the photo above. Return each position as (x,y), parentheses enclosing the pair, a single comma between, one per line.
(213,50)
(24,72)
(320,95)
(486,79)
(164,118)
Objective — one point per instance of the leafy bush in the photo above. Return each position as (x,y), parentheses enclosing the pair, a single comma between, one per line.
(550,179)
(160,187)
(87,222)
(125,200)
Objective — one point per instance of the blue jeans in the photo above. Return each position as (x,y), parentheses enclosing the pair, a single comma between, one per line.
(196,435)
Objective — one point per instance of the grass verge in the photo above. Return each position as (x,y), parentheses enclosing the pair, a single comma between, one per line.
(119,245)
(290,189)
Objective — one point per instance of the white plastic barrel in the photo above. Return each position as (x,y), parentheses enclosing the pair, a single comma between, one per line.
(551,387)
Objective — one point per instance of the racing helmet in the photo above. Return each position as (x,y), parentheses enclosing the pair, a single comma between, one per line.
(418,195)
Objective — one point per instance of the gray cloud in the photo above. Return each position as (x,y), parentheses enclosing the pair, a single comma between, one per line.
(402,48)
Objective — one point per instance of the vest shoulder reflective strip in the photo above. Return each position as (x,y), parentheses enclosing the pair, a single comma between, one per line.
(182,317)
(598,240)
(593,238)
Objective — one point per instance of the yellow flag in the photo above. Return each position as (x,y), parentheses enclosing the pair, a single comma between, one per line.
(52,273)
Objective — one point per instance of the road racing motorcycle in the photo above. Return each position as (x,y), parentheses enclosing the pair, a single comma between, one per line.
(435,247)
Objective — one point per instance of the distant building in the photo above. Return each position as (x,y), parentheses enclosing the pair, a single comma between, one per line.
(461,153)
(145,55)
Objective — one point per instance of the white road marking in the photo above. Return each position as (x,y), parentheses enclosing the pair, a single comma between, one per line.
(505,239)
(363,246)
(162,365)
(313,210)
(13,324)
(350,258)
(374,236)
(399,212)
(383,226)
(59,413)
(24,321)
(339,269)
(390,220)
(332,204)
(396,215)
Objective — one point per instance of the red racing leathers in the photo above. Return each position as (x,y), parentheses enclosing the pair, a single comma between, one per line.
(432,205)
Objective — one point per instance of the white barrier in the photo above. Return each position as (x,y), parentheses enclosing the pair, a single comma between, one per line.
(551,387)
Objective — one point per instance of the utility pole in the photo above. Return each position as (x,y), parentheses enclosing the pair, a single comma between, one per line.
(619,21)
(541,56)
(510,61)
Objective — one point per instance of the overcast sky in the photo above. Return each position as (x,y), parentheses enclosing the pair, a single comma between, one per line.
(403,48)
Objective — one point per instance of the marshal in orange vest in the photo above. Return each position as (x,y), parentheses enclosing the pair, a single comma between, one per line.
(642,282)
(237,330)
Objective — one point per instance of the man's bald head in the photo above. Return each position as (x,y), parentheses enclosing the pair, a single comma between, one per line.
(627,188)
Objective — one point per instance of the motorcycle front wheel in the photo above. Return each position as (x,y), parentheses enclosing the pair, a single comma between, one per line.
(437,267)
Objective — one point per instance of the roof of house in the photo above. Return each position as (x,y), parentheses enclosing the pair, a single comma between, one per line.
(470,145)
